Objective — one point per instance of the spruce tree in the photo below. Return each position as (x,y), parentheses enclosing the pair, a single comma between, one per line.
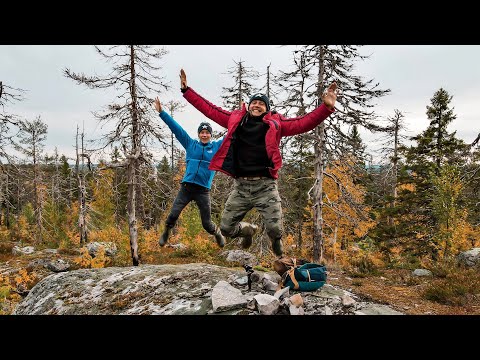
(434,149)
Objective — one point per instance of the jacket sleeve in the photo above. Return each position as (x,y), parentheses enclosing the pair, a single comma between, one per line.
(177,130)
(307,122)
(218,143)
(214,113)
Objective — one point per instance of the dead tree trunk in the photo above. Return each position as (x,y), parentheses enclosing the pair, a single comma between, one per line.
(82,223)
(133,162)
(318,240)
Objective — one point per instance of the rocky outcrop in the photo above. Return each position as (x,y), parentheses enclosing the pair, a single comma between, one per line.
(183,289)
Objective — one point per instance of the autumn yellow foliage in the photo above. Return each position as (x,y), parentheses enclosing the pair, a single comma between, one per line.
(343,223)
(86,261)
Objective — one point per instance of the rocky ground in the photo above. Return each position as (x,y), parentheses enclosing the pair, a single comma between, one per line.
(395,288)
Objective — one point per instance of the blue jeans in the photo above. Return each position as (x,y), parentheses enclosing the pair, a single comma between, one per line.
(187,193)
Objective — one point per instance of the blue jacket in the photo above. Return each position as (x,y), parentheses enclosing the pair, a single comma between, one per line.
(198,155)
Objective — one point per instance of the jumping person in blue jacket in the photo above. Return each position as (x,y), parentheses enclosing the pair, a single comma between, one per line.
(197,181)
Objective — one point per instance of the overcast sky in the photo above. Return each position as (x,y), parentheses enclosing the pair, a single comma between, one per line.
(413,73)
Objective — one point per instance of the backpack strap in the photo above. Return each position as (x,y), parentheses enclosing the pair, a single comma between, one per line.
(291,272)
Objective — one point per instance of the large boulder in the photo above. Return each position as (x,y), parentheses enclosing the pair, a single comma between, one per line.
(173,289)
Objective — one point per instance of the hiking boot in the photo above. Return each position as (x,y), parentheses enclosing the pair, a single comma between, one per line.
(277,247)
(219,238)
(164,238)
(246,232)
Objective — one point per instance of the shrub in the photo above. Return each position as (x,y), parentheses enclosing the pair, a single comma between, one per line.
(459,287)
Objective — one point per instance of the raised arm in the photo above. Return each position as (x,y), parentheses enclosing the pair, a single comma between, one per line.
(177,130)
(213,112)
(307,122)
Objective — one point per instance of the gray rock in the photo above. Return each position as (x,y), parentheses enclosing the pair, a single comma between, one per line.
(26,250)
(328,291)
(109,247)
(226,297)
(422,272)
(50,251)
(272,276)
(267,304)
(145,289)
(241,281)
(241,257)
(178,246)
(376,309)
(58,265)
(294,310)
(347,301)
(470,258)
(269,285)
(280,294)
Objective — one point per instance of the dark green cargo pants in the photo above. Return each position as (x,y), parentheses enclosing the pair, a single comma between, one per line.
(248,194)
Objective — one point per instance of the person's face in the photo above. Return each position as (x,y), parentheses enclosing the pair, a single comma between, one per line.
(204,136)
(257,108)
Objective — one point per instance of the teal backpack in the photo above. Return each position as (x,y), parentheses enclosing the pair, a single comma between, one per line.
(306,277)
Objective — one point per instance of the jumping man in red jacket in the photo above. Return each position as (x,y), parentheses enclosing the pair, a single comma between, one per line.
(250,153)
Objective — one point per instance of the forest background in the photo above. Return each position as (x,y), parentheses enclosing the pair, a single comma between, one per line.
(372,189)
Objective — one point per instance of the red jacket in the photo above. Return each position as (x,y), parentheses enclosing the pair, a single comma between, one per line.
(278,126)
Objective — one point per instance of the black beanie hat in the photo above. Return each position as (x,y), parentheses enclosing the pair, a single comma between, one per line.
(204,126)
(262,97)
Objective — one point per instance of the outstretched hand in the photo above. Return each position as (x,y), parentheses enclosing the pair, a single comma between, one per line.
(157,105)
(183,79)
(330,96)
